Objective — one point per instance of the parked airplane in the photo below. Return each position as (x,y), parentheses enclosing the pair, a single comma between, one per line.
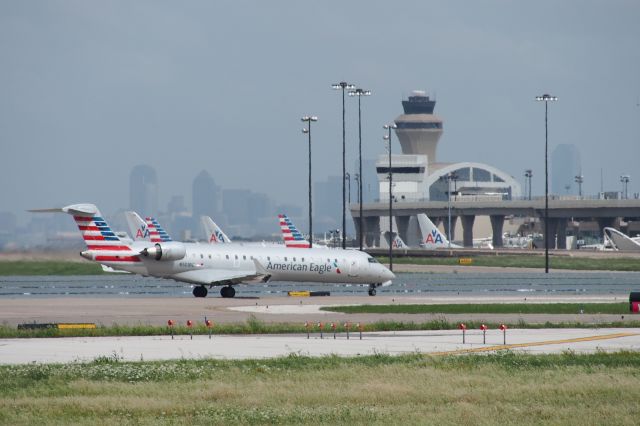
(146,230)
(620,241)
(213,232)
(397,243)
(290,234)
(431,237)
(221,264)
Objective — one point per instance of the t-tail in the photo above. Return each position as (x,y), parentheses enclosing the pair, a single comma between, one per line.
(103,245)
(430,235)
(290,234)
(213,232)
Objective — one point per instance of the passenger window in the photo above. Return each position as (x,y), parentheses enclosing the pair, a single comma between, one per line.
(227,257)
(294,259)
(303,260)
(201,256)
(244,257)
(236,257)
(269,258)
(209,256)
(285,258)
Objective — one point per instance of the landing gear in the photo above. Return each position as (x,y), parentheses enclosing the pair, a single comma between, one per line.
(200,291)
(227,291)
(372,289)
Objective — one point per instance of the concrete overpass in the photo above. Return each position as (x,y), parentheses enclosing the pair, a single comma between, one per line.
(561,211)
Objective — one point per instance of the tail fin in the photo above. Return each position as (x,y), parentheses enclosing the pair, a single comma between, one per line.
(290,234)
(137,227)
(157,234)
(431,237)
(97,234)
(213,231)
(397,241)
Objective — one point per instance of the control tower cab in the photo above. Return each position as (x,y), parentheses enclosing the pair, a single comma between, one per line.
(419,130)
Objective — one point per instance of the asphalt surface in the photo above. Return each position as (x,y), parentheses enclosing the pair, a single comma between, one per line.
(157,311)
(64,350)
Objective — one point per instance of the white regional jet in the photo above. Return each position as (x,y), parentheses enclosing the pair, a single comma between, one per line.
(208,265)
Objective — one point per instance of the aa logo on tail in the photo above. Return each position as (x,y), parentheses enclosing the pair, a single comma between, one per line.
(217,237)
(143,232)
(434,237)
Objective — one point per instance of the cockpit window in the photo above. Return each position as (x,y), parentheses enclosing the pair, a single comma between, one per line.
(373,260)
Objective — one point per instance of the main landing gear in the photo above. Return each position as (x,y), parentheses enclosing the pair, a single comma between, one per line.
(227,291)
(200,291)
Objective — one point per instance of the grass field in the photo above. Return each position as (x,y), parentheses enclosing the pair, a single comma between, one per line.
(487,308)
(564,262)
(52,267)
(254,326)
(503,389)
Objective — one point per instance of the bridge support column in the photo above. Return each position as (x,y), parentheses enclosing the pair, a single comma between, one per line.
(561,233)
(451,236)
(552,228)
(467,230)
(606,222)
(402,224)
(497,222)
(371,231)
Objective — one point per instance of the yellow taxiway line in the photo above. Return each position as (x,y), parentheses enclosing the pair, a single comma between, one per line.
(543,343)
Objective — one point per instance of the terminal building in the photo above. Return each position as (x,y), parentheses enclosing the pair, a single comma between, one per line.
(418,176)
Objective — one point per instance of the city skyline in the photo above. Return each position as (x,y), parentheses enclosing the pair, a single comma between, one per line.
(215,87)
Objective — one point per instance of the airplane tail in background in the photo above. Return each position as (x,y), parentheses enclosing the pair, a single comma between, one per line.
(213,231)
(103,245)
(397,243)
(146,230)
(620,241)
(430,235)
(290,234)
(156,233)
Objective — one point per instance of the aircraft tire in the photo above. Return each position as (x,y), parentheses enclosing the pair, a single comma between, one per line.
(200,291)
(372,292)
(227,291)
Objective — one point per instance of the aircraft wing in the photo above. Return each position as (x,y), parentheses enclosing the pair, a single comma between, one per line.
(217,276)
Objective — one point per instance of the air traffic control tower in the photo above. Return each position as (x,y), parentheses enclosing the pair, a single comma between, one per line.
(419,130)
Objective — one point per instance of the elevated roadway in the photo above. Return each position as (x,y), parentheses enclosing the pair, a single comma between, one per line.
(561,211)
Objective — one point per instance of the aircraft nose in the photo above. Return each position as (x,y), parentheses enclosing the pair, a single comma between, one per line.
(387,274)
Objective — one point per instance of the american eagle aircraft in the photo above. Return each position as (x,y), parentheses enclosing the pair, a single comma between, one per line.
(209,265)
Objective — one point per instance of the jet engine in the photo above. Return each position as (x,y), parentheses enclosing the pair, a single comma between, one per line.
(167,251)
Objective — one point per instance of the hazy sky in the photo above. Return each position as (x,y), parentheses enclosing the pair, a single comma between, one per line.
(88,89)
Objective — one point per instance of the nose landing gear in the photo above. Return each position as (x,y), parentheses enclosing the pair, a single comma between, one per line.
(372,289)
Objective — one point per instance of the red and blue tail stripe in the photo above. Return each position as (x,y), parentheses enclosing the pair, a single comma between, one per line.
(292,237)
(99,237)
(156,233)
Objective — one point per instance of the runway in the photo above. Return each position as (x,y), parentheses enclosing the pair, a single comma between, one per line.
(148,348)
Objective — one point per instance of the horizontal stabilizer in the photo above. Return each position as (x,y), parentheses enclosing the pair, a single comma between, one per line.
(81,209)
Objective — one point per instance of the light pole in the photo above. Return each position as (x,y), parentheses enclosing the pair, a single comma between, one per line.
(387,137)
(356,177)
(348,177)
(546,98)
(360,93)
(528,174)
(579,179)
(308,119)
(342,86)
(625,182)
